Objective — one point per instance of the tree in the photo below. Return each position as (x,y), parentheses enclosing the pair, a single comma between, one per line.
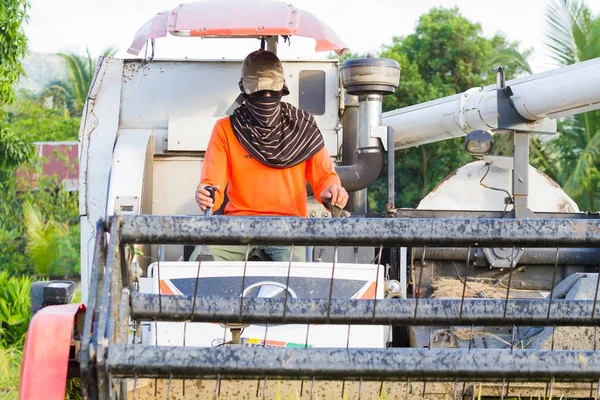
(72,94)
(36,224)
(446,55)
(572,159)
(13,46)
(49,245)
(31,120)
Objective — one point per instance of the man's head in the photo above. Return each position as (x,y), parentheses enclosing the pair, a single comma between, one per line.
(262,71)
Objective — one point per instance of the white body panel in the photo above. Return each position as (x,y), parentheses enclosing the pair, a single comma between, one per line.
(307,280)
(98,134)
(553,94)
(462,191)
(131,175)
(188,97)
(176,103)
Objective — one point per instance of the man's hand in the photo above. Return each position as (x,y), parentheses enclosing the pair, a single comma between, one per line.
(203,197)
(336,195)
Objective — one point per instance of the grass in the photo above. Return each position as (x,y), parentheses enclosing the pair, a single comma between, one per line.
(77,296)
(10,365)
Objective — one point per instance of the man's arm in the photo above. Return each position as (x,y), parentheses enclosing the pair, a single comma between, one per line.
(215,169)
(325,182)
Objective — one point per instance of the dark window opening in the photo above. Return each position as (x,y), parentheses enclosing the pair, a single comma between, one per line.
(312,91)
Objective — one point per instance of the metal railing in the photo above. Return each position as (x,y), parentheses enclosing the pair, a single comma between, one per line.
(107,359)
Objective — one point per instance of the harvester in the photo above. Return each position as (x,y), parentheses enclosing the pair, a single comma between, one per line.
(487,288)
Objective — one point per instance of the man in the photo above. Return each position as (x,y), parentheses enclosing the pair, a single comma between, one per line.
(266,151)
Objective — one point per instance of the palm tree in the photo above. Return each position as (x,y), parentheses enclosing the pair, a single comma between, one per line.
(72,94)
(573,35)
(48,243)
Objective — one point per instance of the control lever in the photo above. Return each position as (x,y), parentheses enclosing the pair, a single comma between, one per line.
(321,254)
(211,190)
(336,212)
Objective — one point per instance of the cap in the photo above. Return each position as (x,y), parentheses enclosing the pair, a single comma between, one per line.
(262,70)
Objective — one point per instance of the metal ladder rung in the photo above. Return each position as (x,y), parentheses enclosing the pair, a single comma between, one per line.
(367,364)
(482,312)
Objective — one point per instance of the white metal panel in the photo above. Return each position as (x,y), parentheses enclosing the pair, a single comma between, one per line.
(175,182)
(133,152)
(190,132)
(97,137)
(173,192)
(462,191)
(557,93)
(204,334)
(197,93)
(135,96)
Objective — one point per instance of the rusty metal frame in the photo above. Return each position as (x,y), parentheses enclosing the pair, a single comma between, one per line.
(113,299)
(89,382)
(478,214)
(366,364)
(481,312)
(362,231)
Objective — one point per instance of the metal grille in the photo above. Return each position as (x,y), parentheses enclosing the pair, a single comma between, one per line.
(113,367)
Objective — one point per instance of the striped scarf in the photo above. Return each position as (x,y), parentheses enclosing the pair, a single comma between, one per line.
(276,133)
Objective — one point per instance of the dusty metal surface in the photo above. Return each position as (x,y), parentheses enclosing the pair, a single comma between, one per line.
(114,359)
(361,231)
(92,312)
(485,312)
(147,389)
(470,213)
(104,327)
(547,256)
(366,364)
(150,389)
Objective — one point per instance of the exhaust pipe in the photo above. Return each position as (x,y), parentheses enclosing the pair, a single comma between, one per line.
(357,200)
(369,79)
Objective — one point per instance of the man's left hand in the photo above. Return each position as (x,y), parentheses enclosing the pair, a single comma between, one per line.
(336,195)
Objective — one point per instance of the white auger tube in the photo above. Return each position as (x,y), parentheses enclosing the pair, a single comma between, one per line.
(540,97)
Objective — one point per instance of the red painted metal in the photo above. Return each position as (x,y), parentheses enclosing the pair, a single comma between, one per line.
(46,352)
(58,160)
(234,18)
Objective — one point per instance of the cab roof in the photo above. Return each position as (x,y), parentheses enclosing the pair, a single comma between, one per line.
(238,19)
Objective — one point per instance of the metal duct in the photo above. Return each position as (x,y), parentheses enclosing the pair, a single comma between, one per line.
(541,98)
(370,79)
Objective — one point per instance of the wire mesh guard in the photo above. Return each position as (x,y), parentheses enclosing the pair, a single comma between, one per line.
(210,329)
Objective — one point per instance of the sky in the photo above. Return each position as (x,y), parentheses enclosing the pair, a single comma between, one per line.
(74,25)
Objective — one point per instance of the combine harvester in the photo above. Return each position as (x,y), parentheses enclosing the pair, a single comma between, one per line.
(487,288)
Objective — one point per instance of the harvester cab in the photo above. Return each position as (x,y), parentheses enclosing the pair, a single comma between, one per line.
(379,305)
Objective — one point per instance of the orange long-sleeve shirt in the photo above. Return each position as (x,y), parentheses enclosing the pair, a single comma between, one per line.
(256,189)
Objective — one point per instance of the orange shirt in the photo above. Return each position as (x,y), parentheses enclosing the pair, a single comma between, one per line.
(256,189)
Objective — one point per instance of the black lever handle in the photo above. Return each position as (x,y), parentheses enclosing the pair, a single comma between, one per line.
(211,191)
(321,254)
(336,212)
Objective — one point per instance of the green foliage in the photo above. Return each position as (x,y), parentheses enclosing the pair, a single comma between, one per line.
(72,94)
(573,31)
(13,46)
(12,256)
(15,309)
(32,121)
(73,390)
(49,199)
(10,365)
(572,158)
(14,150)
(49,244)
(446,55)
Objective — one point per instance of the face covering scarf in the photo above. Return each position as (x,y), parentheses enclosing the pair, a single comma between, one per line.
(276,133)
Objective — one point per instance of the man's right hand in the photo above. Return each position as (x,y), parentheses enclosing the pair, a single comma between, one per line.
(203,197)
